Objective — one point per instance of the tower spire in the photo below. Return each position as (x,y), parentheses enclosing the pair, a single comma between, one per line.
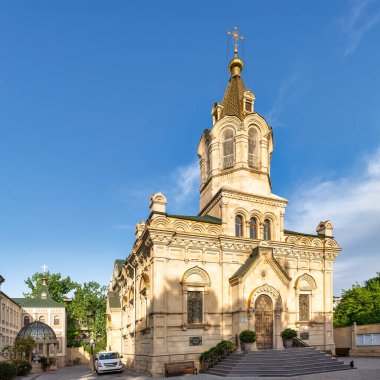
(236,64)
(236,37)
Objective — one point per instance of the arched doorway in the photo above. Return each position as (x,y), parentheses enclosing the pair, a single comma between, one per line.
(264,321)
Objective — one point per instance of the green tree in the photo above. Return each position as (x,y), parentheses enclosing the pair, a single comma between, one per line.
(88,308)
(360,304)
(86,311)
(22,348)
(58,287)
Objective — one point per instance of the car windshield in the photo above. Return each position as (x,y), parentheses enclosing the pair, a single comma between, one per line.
(108,355)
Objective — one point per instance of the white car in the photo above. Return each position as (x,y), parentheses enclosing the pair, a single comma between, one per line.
(108,361)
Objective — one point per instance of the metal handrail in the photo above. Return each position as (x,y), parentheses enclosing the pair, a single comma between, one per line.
(218,353)
(299,343)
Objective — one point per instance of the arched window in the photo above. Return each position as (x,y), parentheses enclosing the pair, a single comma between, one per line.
(304,307)
(267,229)
(228,149)
(253,228)
(26,320)
(238,225)
(56,320)
(194,283)
(253,156)
(41,318)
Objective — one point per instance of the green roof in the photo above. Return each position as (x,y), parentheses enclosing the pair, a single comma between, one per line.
(249,262)
(301,233)
(42,299)
(37,302)
(119,263)
(114,300)
(205,219)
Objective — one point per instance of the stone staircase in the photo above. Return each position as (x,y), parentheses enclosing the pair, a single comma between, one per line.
(282,363)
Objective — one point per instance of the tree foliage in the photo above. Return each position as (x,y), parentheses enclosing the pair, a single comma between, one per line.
(88,307)
(360,304)
(21,349)
(86,310)
(58,287)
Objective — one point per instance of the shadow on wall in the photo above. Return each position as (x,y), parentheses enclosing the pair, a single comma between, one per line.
(167,334)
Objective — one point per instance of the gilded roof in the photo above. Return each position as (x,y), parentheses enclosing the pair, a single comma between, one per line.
(233,97)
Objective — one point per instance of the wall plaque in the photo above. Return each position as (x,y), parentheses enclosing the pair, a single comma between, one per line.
(304,336)
(195,341)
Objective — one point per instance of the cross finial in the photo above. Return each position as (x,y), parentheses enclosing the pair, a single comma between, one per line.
(236,37)
(44,268)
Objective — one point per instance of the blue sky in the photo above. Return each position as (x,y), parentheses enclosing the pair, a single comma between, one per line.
(103,103)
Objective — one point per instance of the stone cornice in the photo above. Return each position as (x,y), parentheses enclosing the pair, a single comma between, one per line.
(233,194)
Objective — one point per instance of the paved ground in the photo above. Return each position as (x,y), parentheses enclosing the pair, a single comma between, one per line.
(367,369)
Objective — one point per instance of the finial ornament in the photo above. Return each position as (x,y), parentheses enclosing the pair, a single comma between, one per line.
(44,268)
(236,37)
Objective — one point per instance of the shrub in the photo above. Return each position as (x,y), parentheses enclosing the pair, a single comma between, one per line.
(7,371)
(223,345)
(23,367)
(45,362)
(247,336)
(289,333)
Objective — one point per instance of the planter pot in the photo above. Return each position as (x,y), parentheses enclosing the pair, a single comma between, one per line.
(288,343)
(246,347)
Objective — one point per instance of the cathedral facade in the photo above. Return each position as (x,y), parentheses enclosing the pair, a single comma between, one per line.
(191,281)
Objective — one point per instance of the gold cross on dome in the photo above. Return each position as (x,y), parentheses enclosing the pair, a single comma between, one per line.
(236,37)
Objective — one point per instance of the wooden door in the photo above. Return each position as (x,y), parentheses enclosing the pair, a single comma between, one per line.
(264,322)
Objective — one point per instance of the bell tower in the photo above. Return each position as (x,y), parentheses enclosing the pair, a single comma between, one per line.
(235,154)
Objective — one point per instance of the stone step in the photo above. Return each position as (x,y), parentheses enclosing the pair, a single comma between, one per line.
(228,366)
(295,373)
(275,360)
(281,363)
(284,368)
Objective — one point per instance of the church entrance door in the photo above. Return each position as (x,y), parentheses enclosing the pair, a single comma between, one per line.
(264,322)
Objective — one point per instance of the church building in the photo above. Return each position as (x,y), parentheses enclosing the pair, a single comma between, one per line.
(192,281)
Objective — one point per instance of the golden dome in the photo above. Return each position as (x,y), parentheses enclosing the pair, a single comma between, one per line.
(235,66)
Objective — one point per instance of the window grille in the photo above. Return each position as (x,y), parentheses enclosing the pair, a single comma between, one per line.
(253,228)
(253,157)
(194,307)
(267,230)
(304,307)
(238,225)
(228,149)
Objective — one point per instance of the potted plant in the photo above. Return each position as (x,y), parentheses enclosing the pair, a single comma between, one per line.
(287,336)
(247,338)
(45,363)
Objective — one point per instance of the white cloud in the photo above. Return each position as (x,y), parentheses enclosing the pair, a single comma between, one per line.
(186,183)
(290,89)
(180,186)
(361,18)
(352,204)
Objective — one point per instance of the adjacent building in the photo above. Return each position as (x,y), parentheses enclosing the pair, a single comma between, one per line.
(10,319)
(193,280)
